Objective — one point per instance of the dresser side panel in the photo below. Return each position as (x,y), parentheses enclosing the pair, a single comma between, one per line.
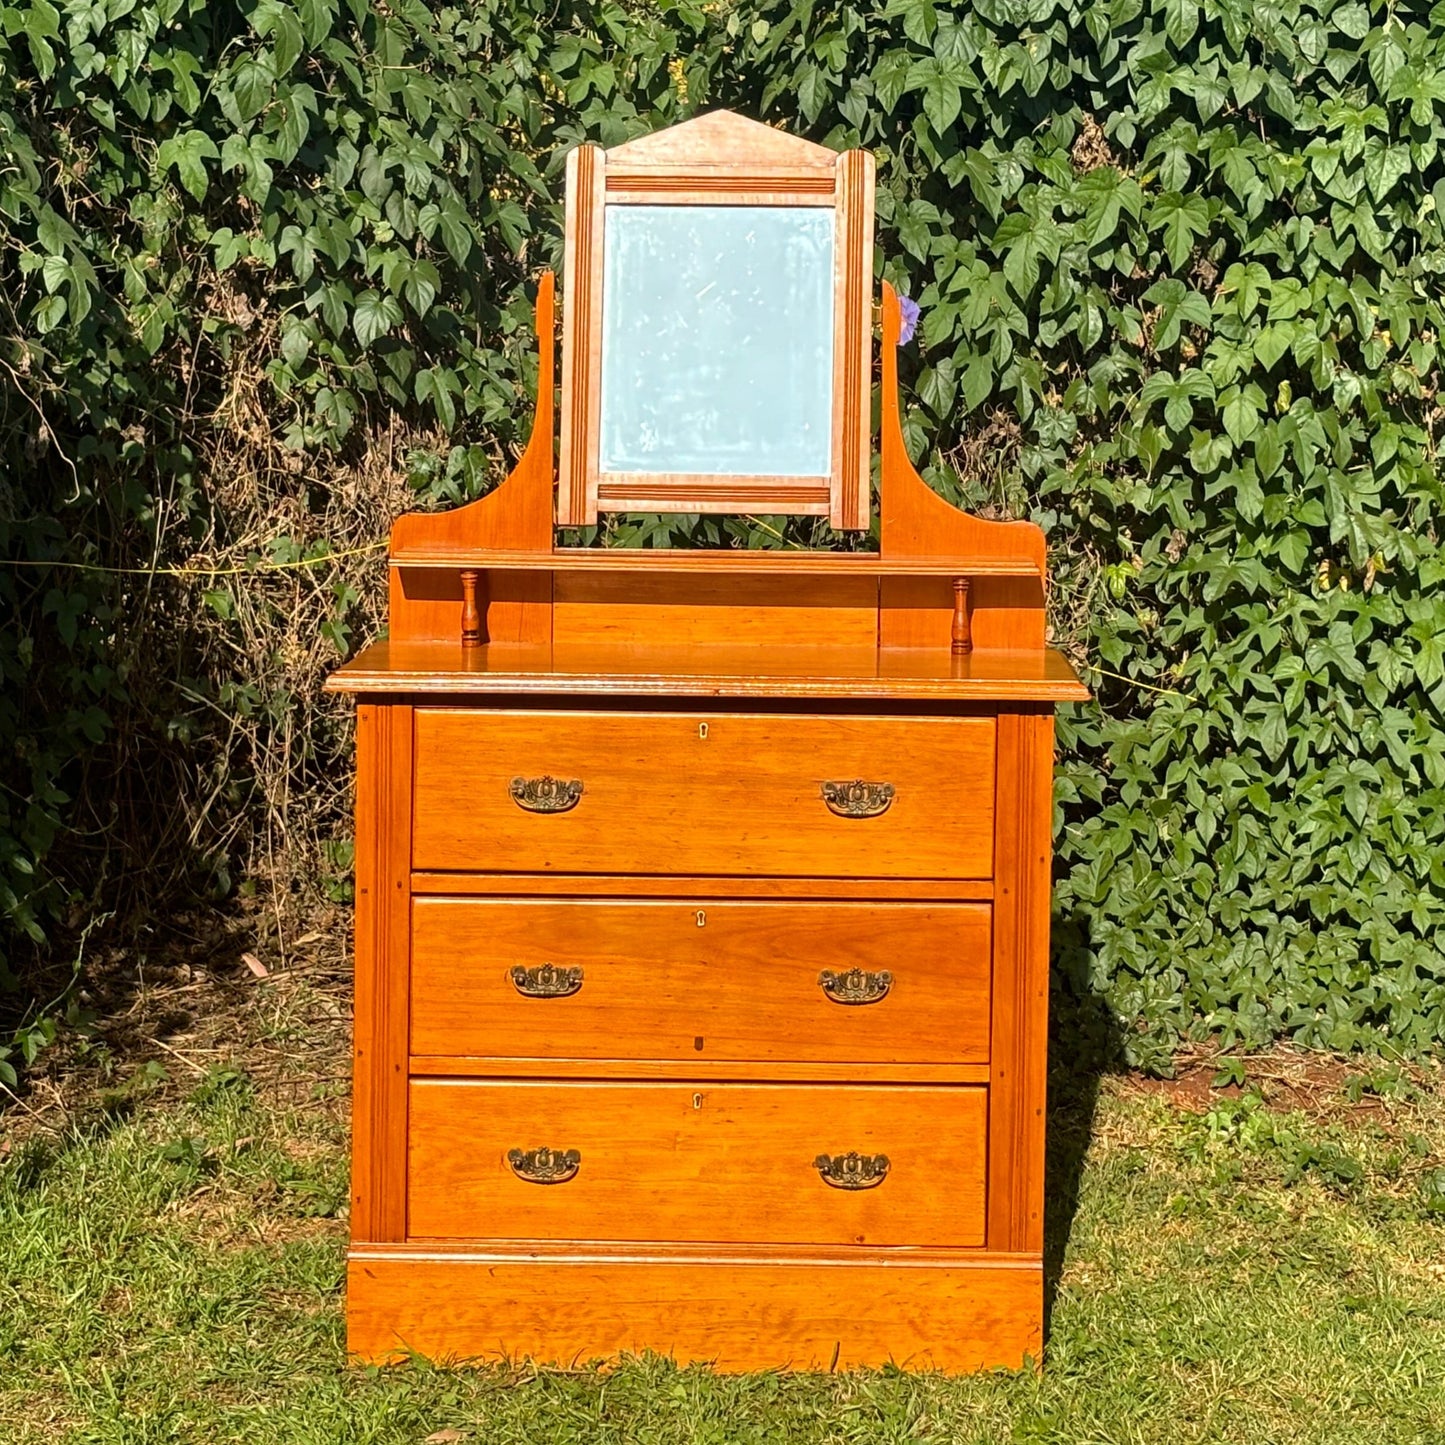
(1019,1045)
(383,881)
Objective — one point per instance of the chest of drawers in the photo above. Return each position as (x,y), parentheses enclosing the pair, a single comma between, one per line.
(702,914)
(715,1030)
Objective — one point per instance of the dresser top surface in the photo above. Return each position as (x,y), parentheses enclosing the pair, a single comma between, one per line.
(640,670)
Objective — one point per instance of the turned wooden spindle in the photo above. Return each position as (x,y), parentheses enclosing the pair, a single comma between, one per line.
(471,612)
(962,635)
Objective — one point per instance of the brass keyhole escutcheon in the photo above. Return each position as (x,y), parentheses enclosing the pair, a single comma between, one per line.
(697,1101)
(702,917)
(702,731)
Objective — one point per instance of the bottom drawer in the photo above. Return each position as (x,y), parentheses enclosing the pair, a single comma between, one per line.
(719,1163)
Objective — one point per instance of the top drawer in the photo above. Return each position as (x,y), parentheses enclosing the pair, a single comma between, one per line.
(718,793)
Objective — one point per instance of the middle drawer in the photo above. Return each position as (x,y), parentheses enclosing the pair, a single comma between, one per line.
(758,981)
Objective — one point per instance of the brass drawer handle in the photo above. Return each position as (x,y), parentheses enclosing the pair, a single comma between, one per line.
(858,799)
(856,986)
(544,1166)
(546,794)
(852,1171)
(547,980)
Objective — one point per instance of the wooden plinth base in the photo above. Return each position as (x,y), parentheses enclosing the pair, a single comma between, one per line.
(749,1310)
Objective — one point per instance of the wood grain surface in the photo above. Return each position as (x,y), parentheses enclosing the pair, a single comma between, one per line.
(701,978)
(1021,980)
(654,667)
(1007,612)
(710,1163)
(693,1069)
(756,1312)
(383,940)
(516,517)
(683,885)
(693,609)
(729,562)
(716,793)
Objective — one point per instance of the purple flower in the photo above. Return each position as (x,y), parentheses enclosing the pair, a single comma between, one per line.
(908,310)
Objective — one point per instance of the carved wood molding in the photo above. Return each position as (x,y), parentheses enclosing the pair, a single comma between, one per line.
(854,340)
(701,185)
(581,335)
(797,496)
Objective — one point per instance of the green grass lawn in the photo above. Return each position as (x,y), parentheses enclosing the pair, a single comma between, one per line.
(1258,1267)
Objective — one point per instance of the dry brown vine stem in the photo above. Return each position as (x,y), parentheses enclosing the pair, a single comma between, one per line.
(268,789)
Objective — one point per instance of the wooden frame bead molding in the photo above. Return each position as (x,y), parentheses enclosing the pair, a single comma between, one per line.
(702,899)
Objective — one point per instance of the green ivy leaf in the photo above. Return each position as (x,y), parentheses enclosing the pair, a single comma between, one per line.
(977,381)
(1024,241)
(1335,652)
(1248,283)
(1241,408)
(1268,450)
(449,221)
(1183,220)
(437,385)
(1177,305)
(48,314)
(1352,20)
(280,22)
(1272,343)
(374,315)
(1181,21)
(1248,496)
(295,342)
(938,82)
(1108,195)
(1294,550)
(1178,394)
(301,247)
(1385,166)
(813,89)
(188,152)
(252,80)
(938,385)
(228,247)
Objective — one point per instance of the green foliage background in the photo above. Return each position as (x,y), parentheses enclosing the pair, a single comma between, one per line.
(1180,270)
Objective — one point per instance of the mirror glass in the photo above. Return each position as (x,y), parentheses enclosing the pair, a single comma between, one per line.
(717,340)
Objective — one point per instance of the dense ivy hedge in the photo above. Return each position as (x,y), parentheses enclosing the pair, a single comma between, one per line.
(1179,266)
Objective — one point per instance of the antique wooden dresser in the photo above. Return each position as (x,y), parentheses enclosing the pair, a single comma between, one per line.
(703,897)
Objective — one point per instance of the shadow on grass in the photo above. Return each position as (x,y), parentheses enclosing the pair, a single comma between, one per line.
(1086,1042)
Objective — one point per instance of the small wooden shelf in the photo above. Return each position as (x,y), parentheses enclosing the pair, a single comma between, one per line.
(634,559)
(640,670)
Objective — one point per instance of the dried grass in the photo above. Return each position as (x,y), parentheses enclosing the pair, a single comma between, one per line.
(231,770)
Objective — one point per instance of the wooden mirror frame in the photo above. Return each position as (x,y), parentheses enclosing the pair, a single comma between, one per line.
(719,159)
